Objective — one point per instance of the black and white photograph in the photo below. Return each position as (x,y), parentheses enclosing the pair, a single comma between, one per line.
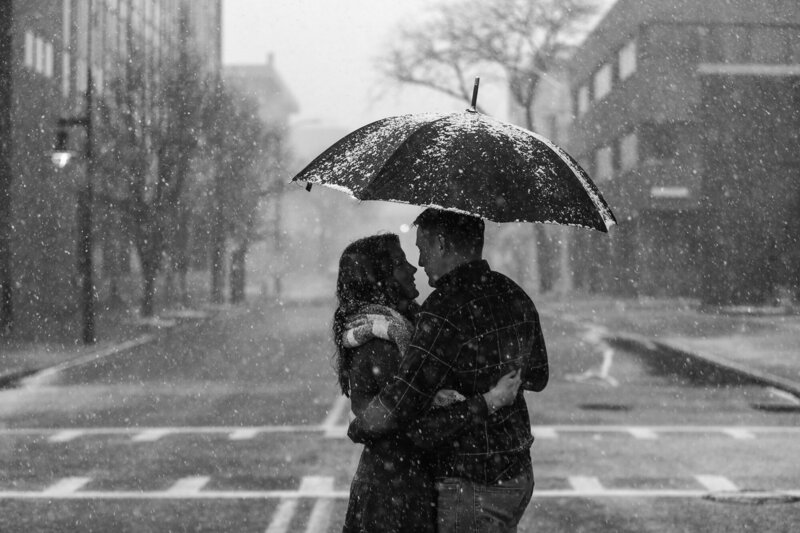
(380,266)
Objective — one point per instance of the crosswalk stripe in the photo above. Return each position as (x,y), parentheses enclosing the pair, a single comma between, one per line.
(150,435)
(320,514)
(643,433)
(340,429)
(544,433)
(738,433)
(345,494)
(283,516)
(585,484)
(716,483)
(330,426)
(66,486)
(66,435)
(189,485)
(244,434)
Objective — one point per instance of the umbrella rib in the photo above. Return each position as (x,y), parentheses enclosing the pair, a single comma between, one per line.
(589,187)
(397,149)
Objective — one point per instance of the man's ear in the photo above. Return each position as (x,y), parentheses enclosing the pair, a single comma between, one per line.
(441,241)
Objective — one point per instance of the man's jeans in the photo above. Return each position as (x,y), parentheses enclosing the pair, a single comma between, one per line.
(465,506)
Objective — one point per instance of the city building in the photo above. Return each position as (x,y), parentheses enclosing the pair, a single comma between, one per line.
(46,68)
(687,116)
(263,85)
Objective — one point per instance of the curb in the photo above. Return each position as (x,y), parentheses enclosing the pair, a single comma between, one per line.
(703,365)
(13,377)
(10,377)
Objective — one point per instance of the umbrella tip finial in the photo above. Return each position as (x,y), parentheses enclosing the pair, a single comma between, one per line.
(474,107)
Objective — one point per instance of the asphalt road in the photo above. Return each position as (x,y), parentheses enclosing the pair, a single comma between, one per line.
(236,425)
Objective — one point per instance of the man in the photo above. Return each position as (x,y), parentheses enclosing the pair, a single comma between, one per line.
(475,327)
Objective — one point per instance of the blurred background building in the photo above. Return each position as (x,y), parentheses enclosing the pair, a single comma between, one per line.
(687,116)
(44,77)
(263,85)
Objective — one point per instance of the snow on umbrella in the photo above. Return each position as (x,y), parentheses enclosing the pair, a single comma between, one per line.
(467,162)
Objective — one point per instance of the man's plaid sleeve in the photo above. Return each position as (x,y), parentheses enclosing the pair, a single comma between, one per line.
(427,363)
(536,371)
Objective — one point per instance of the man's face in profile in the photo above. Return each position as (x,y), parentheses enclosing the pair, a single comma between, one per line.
(431,254)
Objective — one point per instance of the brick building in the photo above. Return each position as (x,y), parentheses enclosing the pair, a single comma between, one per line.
(44,75)
(687,116)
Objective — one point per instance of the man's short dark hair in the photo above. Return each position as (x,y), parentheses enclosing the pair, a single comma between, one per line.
(464,232)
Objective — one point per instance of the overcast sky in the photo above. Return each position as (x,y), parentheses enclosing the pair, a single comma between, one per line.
(324,50)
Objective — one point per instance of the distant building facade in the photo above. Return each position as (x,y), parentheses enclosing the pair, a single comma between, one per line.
(275,104)
(51,45)
(687,116)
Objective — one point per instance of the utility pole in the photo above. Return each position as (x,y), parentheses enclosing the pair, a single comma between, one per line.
(6,70)
(86,200)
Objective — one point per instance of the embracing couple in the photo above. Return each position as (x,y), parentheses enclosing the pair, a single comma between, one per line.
(435,387)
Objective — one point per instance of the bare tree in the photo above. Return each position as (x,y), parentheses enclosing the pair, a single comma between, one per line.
(518,39)
(151,130)
(240,149)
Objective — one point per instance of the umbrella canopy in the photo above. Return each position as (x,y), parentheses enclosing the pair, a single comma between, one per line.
(466,162)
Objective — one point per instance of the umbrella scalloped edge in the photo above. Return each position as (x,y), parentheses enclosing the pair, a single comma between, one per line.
(602,209)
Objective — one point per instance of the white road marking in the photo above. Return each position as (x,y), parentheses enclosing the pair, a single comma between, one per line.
(789,397)
(717,483)
(643,433)
(189,485)
(740,433)
(151,435)
(66,435)
(329,426)
(341,430)
(544,433)
(344,494)
(282,518)
(321,513)
(585,484)
(41,377)
(244,434)
(65,487)
(595,335)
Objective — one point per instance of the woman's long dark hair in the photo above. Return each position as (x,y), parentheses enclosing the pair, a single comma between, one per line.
(366,276)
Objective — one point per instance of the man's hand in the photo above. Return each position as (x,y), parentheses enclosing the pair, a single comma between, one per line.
(504,392)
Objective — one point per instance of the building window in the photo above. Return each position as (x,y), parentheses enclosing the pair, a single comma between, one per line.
(48,60)
(583,100)
(80,75)
(66,23)
(627,60)
(29,49)
(65,74)
(602,82)
(38,54)
(628,152)
(604,164)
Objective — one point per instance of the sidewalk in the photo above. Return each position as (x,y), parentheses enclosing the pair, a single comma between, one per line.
(116,332)
(760,344)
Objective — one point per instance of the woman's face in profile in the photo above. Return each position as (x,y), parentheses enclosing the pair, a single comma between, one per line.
(404,273)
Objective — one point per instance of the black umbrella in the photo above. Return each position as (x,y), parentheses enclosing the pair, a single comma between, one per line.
(467,162)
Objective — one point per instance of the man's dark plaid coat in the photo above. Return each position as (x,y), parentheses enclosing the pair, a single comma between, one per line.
(475,327)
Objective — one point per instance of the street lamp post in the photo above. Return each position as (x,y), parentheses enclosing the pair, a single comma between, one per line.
(85,196)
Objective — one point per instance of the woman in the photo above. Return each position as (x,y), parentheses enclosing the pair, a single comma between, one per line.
(393,489)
